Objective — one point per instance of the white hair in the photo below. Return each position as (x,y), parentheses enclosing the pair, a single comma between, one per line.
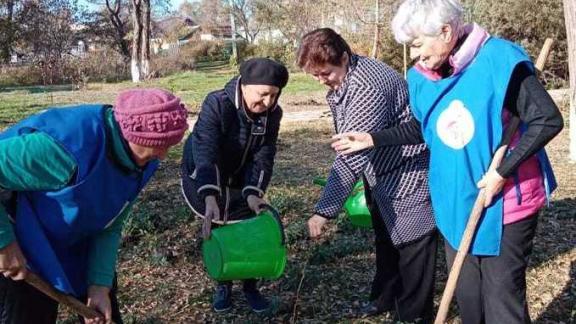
(425,17)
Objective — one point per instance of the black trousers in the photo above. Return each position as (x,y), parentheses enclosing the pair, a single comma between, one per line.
(404,279)
(493,289)
(21,303)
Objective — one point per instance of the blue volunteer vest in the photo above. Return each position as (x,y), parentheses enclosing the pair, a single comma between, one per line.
(461,119)
(55,228)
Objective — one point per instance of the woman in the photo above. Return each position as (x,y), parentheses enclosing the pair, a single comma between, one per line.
(74,174)
(464,89)
(229,156)
(367,95)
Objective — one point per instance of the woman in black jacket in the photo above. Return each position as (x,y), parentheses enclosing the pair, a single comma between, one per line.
(228,158)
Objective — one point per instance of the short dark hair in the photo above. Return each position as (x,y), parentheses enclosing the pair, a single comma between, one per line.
(321,46)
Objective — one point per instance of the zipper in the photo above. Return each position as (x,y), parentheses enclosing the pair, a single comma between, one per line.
(248,144)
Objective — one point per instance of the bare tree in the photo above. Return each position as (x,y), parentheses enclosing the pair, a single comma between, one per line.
(245,14)
(119,24)
(570,17)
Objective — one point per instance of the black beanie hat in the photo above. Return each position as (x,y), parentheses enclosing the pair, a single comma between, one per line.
(263,71)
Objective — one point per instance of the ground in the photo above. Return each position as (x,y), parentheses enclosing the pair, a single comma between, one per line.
(160,268)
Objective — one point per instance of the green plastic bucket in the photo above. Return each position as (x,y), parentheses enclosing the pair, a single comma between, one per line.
(254,248)
(355,205)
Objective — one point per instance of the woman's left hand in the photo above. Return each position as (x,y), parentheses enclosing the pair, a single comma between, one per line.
(255,203)
(492,183)
(351,142)
(99,299)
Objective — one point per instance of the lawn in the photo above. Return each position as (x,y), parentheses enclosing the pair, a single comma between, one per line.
(192,87)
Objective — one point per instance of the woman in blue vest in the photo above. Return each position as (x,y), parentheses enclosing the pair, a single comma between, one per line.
(69,177)
(466,88)
(228,159)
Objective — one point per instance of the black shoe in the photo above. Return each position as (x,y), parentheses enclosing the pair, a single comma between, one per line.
(373,309)
(257,302)
(222,298)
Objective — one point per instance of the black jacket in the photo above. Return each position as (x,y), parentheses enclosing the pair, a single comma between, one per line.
(227,148)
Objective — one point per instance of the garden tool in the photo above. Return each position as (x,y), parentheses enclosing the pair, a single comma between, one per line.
(77,306)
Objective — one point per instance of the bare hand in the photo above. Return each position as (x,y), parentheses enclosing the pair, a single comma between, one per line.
(13,262)
(212,212)
(255,203)
(492,183)
(315,225)
(99,299)
(351,142)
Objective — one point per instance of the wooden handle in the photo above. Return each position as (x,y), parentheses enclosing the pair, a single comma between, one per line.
(460,256)
(77,306)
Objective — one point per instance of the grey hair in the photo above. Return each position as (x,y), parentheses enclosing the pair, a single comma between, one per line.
(425,17)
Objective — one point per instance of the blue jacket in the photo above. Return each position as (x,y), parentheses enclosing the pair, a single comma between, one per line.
(227,148)
(55,229)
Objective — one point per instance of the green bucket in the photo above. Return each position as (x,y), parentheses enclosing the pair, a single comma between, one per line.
(355,205)
(254,248)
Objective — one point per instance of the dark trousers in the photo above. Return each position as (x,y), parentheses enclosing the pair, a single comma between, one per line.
(21,303)
(493,289)
(404,279)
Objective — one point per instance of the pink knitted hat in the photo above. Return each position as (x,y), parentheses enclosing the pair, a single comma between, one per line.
(151,117)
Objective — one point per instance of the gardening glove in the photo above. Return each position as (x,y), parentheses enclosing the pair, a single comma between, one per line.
(315,225)
(99,299)
(212,212)
(492,183)
(351,142)
(13,262)
(255,203)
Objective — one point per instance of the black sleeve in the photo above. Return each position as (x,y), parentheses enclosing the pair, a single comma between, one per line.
(527,98)
(403,134)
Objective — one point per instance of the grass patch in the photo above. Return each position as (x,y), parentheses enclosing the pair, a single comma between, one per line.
(191,86)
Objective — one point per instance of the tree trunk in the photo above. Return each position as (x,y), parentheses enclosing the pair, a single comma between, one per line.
(8,29)
(570,17)
(376,41)
(136,40)
(233,25)
(145,47)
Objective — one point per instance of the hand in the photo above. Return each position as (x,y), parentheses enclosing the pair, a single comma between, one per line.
(212,212)
(315,225)
(255,203)
(13,262)
(492,183)
(351,142)
(99,299)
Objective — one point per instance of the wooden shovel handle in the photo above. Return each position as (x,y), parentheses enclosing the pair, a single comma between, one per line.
(460,256)
(77,306)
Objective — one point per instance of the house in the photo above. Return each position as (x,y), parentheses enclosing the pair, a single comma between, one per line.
(170,33)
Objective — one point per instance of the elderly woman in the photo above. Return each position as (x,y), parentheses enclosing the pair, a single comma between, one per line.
(367,95)
(229,156)
(73,175)
(465,88)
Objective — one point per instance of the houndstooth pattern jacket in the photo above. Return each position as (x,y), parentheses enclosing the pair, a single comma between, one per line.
(373,97)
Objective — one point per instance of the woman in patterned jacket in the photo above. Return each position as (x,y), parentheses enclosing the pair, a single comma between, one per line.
(367,95)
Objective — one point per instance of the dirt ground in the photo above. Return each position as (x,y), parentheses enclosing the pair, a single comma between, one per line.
(161,272)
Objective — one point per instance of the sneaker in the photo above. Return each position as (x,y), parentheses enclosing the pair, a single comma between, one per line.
(257,302)
(222,298)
